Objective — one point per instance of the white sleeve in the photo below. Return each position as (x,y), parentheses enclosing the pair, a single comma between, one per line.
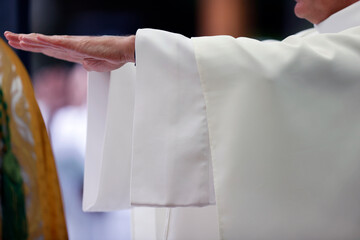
(154,152)
(171,164)
(98,88)
(109,140)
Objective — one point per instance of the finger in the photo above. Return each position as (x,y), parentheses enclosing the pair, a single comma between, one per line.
(11,36)
(30,42)
(26,47)
(69,42)
(14,44)
(32,39)
(7,33)
(56,53)
(30,47)
(29,38)
(59,54)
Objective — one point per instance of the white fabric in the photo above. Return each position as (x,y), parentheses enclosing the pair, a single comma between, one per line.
(146,218)
(98,88)
(170,128)
(284,129)
(346,18)
(283,140)
(109,134)
(190,223)
(193,224)
(150,169)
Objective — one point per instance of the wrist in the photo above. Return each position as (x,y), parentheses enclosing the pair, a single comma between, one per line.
(131,48)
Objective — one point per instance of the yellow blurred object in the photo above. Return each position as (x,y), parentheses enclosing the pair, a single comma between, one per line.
(31,146)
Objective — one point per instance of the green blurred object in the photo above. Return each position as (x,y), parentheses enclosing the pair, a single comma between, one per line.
(14,224)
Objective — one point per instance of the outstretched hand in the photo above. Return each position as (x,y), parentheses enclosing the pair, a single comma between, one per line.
(101,54)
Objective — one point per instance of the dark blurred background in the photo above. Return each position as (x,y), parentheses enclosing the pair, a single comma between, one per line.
(60,87)
(253,18)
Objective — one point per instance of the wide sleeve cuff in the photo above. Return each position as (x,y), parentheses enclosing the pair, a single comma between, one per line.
(147,142)
(171,154)
(109,140)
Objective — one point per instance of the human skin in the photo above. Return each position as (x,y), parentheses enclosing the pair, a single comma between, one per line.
(101,54)
(316,11)
(106,53)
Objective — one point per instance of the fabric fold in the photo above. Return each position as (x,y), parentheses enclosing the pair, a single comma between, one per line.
(147,129)
(283,123)
(170,128)
(109,140)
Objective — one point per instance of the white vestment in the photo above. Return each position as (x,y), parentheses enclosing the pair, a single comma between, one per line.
(272,125)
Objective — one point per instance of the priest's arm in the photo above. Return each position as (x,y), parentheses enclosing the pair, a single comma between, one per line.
(275,122)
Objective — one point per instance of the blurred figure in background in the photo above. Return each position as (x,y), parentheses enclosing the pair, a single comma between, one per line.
(62,94)
(68,127)
(49,86)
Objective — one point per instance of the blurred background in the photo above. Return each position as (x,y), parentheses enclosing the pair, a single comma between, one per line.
(61,87)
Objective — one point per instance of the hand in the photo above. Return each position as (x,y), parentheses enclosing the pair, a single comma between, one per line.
(101,54)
